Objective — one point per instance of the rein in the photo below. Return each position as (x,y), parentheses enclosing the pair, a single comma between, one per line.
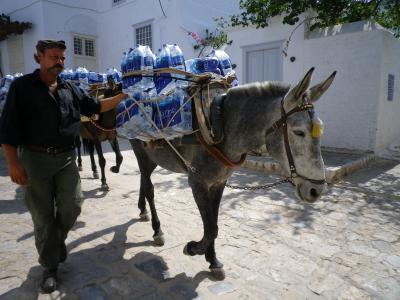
(102,128)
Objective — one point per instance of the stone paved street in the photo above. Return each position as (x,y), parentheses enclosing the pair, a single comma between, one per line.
(346,246)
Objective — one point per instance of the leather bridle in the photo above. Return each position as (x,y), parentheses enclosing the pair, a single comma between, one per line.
(282,122)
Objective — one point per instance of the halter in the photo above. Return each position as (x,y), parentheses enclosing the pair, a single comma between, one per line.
(306,106)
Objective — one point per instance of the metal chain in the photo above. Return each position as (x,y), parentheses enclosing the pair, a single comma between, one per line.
(260,187)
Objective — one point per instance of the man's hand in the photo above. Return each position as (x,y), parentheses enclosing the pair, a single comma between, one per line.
(17,173)
(15,169)
(107,104)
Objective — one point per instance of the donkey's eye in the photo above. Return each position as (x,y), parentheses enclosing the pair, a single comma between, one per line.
(299,133)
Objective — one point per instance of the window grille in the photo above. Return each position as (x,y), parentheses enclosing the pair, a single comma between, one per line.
(84,46)
(77,46)
(89,47)
(144,36)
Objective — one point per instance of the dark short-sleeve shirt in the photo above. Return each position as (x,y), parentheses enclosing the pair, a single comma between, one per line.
(32,115)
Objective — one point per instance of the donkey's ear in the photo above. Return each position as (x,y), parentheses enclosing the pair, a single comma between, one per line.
(296,92)
(318,90)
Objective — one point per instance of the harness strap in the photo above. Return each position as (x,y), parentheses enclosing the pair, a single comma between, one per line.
(289,155)
(282,122)
(219,155)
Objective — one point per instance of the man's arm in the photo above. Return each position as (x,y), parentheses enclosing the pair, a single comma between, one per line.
(107,104)
(15,169)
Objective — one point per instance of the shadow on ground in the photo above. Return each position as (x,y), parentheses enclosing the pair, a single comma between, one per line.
(102,272)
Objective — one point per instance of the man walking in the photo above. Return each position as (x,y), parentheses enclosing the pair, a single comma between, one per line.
(38,126)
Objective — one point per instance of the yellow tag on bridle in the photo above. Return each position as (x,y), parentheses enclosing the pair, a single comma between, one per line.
(317,128)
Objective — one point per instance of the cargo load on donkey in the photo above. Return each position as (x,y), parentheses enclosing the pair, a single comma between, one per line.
(163,95)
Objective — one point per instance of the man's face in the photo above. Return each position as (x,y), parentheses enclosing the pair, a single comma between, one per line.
(52,60)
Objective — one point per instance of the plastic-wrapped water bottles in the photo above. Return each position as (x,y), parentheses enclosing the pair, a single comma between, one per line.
(148,64)
(123,71)
(185,125)
(202,65)
(165,116)
(225,64)
(170,115)
(115,74)
(82,75)
(178,62)
(132,120)
(94,77)
(5,83)
(163,61)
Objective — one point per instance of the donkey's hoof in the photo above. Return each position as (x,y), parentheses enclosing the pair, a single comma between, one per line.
(95,175)
(104,187)
(159,240)
(80,169)
(114,169)
(144,217)
(218,273)
(187,251)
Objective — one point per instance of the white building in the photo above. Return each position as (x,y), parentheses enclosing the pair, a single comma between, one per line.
(360,110)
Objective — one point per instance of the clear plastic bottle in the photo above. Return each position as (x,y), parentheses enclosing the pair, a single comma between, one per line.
(129,68)
(202,65)
(185,124)
(178,62)
(148,65)
(163,61)
(136,65)
(9,79)
(225,64)
(123,71)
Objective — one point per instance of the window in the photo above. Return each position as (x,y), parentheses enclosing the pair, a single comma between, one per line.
(144,36)
(89,47)
(77,46)
(84,46)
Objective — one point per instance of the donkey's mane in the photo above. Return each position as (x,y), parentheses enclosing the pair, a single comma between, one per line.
(270,89)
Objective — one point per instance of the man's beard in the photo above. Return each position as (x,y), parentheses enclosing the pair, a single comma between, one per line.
(56,68)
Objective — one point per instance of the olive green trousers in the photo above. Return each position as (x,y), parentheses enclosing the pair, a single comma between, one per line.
(54,199)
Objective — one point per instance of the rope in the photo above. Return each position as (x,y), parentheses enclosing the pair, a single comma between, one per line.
(100,127)
(187,164)
(180,108)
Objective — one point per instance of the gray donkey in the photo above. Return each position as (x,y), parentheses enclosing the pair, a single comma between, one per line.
(254,115)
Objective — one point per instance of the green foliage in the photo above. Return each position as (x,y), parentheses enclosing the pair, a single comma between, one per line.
(328,12)
(217,38)
(8,28)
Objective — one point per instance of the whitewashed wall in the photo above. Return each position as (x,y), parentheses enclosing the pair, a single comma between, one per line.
(388,129)
(350,107)
(116,25)
(113,26)
(33,12)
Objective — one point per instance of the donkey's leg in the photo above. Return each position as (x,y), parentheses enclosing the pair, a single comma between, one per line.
(102,164)
(208,203)
(216,267)
(78,148)
(147,166)
(118,156)
(90,146)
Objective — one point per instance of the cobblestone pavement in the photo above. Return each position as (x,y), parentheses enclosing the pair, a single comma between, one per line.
(273,246)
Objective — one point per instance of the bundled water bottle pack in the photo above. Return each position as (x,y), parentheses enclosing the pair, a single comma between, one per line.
(159,106)
(5,83)
(87,80)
